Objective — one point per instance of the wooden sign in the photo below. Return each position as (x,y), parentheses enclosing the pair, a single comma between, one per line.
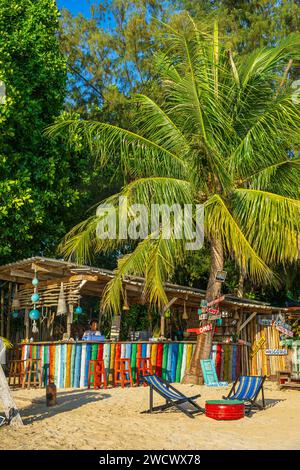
(204,316)
(258,346)
(216,301)
(285,331)
(215,317)
(265,322)
(276,352)
(202,329)
(213,311)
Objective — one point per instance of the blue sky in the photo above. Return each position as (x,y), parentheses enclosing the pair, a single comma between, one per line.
(75,6)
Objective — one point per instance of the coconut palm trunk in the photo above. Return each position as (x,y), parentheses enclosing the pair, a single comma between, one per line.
(204,341)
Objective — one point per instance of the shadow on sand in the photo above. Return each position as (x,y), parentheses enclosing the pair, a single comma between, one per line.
(66,401)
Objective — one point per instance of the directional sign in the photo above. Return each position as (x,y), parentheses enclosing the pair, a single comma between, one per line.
(276,352)
(264,322)
(258,346)
(202,329)
(285,331)
(213,311)
(215,317)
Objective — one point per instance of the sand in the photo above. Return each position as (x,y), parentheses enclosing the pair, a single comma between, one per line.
(111,419)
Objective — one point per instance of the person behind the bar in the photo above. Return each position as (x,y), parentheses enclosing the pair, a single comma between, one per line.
(93,329)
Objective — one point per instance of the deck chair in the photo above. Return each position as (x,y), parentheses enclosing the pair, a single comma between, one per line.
(210,375)
(172,396)
(247,388)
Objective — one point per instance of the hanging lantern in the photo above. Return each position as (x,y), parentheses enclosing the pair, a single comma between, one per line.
(236,315)
(14,314)
(35,281)
(35,297)
(61,305)
(78,310)
(16,301)
(34,314)
(184,315)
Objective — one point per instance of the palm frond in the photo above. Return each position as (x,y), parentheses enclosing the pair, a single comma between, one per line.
(271,223)
(6,343)
(220,223)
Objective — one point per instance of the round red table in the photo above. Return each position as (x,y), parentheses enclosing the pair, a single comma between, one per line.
(225,409)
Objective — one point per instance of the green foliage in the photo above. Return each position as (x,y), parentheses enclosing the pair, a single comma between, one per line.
(245,24)
(35,188)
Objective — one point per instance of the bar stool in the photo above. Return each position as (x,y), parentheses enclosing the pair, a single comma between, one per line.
(97,374)
(16,372)
(143,367)
(33,373)
(123,372)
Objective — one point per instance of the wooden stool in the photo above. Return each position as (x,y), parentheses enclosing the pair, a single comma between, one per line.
(33,373)
(123,372)
(98,373)
(143,367)
(16,371)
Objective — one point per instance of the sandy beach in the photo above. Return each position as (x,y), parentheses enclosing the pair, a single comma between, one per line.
(111,419)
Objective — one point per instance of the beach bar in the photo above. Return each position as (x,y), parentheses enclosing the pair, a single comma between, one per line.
(247,339)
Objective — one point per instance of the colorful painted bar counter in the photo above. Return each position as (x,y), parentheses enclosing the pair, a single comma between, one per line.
(66,363)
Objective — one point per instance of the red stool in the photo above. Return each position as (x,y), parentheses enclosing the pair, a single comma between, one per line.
(143,367)
(225,409)
(97,374)
(123,372)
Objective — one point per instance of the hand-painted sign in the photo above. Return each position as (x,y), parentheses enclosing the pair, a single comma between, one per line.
(256,347)
(202,329)
(213,311)
(276,352)
(285,331)
(204,316)
(214,317)
(216,301)
(265,322)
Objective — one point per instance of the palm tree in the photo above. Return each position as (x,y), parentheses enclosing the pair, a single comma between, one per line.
(222,136)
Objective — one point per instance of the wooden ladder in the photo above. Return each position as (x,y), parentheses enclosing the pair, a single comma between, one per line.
(10,408)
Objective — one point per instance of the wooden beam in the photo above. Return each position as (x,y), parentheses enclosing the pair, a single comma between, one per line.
(48,269)
(246,322)
(168,305)
(83,277)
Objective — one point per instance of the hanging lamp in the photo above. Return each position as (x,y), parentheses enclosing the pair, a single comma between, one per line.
(185,314)
(61,304)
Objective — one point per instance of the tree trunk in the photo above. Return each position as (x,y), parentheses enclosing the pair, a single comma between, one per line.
(241,284)
(204,341)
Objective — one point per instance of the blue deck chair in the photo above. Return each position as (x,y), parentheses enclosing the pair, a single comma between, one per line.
(247,388)
(210,374)
(172,396)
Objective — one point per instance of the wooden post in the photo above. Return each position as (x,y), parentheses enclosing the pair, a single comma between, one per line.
(2,312)
(9,302)
(162,324)
(26,322)
(10,408)
(70,320)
